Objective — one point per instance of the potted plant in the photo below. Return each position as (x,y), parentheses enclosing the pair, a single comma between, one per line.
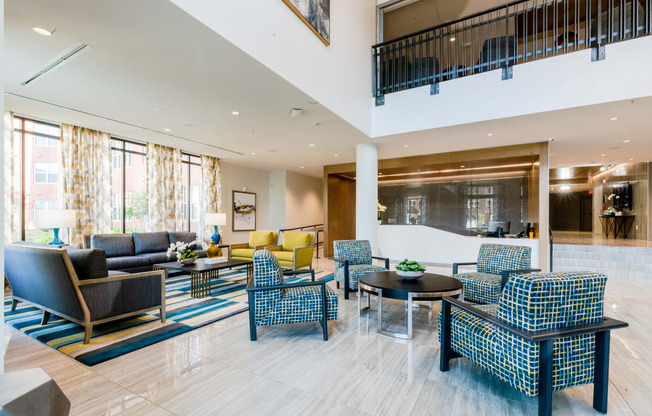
(381,209)
(616,204)
(185,251)
(410,269)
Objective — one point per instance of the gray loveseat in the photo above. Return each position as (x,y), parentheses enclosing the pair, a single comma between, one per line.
(75,284)
(137,252)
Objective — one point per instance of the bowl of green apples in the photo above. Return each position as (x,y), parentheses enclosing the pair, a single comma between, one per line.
(410,269)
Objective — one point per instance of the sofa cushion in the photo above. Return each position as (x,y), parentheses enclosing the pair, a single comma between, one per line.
(183,236)
(126,262)
(260,238)
(247,253)
(296,240)
(284,256)
(88,263)
(151,242)
(114,245)
(155,258)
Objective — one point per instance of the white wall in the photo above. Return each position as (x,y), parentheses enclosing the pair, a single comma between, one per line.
(561,82)
(304,200)
(277,206)
(338,76)
(431,245)
(234,178)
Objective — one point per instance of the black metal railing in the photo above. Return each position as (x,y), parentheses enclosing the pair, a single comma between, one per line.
(514,33)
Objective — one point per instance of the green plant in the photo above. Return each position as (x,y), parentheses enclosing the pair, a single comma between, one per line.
(410,266)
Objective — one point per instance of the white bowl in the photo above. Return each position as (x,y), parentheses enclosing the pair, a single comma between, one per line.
(409,275)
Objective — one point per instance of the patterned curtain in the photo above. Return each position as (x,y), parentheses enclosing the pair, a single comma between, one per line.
(12,180)
(212,185)
(86,159)
(164,188)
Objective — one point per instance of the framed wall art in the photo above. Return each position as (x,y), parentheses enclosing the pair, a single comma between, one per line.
(316,14)
(244,211)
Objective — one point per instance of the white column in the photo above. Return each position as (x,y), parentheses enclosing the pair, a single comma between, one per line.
(366,193)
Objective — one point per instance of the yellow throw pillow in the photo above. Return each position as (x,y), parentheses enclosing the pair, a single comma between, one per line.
(260,238)
(296,240)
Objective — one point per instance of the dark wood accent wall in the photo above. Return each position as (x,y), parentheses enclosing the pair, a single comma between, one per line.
(339,203)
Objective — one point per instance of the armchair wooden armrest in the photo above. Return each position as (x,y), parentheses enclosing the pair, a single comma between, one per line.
(273,247)
(295,272)
(456,265)
(242,245)
(505,275)
(382,258)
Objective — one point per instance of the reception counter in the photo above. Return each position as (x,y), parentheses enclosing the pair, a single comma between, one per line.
(437,247)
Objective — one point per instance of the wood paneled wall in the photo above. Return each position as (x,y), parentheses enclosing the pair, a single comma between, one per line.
(339,210)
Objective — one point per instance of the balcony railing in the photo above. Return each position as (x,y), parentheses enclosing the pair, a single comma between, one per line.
(517,32)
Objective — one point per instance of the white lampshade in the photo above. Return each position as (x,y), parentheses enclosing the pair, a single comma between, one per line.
(215,218)
(56,218)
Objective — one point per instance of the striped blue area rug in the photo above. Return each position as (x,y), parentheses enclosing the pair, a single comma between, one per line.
(183,312)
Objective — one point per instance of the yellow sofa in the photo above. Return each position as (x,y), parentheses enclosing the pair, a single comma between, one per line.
(258,240)
(295,250)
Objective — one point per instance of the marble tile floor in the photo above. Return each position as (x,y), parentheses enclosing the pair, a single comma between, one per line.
(290,370)
(589,239)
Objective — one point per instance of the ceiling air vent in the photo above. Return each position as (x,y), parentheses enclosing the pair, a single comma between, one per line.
(58,61)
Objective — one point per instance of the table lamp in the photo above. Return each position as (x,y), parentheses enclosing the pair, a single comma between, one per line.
(55,219)
(215,219)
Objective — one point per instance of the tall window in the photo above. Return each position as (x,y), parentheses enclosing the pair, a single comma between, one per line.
(191,179)
(480,206)
(41,171)
(129,186)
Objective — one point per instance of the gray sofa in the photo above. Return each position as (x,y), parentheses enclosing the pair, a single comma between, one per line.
(76,285)
(137,252)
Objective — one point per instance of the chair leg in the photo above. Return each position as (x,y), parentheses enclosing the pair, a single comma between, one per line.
(163,314)
(337,284)
(445,354)
(346,283)
(88,331)
(545,378)
(45,318)
(14,303)
(601,371)
(324,312)
(252,317)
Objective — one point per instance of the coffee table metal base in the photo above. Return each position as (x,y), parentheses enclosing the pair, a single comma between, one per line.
(427,296)
(200,281)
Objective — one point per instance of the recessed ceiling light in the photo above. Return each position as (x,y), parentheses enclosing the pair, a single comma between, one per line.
(312,145)
(253,153)
(613,118)
(452,39)
(418,170)
(380,173)
(626,141)
(158,110)
(336,155)
(490,134)
(302,167)
(462,166)
(313,102)
(631,158)
(565,188)
(42,31)
(603,168)
(603,155)
(167,129)
(235,113)
(405,145)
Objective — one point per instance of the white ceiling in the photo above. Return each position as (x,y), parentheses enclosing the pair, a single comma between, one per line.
(149,54)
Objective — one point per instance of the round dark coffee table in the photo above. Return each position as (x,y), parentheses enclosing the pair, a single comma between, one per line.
(392,286)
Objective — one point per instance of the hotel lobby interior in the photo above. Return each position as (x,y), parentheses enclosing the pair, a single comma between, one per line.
(307,207)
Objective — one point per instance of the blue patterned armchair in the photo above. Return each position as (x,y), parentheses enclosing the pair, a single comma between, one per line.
(547,333)
(495,264)
(353,259)
(273,302)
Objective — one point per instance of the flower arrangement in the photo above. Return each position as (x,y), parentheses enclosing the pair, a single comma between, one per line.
(616,201)
(381,209)
(185,251)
